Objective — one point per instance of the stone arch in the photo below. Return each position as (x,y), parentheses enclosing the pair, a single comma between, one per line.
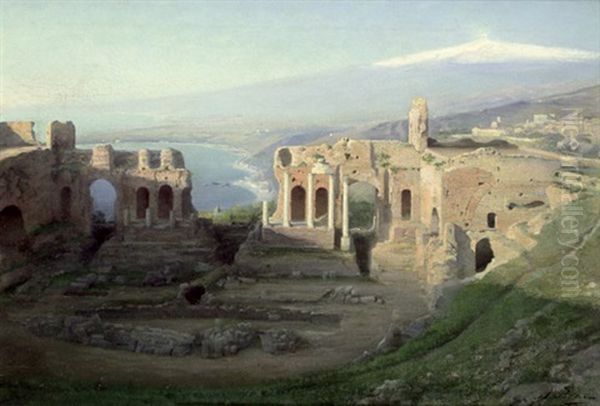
(491,220)
(321,202)
(363,204)
(435,222)
(187,208)
(483,254)
(165,201)
(142,202)
(104,200)
(65,203)
(298,202)
(406,201)
(12,227)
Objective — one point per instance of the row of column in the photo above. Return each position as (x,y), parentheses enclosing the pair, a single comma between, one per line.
(310,222)
(148,217)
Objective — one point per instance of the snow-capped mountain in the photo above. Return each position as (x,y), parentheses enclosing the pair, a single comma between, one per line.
(484,50)
(472,76)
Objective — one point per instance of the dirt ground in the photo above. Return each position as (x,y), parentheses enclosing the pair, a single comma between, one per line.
(330,344)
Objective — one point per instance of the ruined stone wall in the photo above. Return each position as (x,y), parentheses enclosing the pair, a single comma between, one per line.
(53,183)
(60,136)
(512,187)
(17,133)
(26,181)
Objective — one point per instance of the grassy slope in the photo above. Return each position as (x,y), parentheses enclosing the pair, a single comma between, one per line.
(455,362)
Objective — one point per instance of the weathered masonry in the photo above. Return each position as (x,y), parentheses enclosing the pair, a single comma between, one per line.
(40,184)
(442,198)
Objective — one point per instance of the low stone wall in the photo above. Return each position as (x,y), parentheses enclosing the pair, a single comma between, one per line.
(298,237)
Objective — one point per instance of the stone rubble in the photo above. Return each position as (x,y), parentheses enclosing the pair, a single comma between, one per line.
(350,295)
(279,341)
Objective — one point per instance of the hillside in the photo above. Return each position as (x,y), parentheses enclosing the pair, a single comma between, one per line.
(514,335)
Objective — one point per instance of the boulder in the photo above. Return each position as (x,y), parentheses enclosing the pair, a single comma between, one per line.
(225,341)
(159,341)
(279,341)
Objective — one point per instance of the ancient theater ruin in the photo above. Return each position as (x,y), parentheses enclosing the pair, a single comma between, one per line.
(41,184)
(460,208)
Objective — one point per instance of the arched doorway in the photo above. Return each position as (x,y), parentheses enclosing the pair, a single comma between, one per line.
(65,203)
(104,199)
(362,202)
(12,227)
(321,202)
(491,220)
(435,222)
(186,202)
(483,254)
(142,202)
(298,204)
(165,201)
(406,201)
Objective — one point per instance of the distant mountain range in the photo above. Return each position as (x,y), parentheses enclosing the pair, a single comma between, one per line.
(586,100)
(473,76)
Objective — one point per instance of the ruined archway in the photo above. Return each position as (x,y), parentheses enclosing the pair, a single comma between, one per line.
(298,204)
(142,202)
(104,199)
(187,208)
(321,202)
(362,202)
(483,254)
(491,220)
(435,222)
(165,201)
(12,227)
(406,201)
(65,203)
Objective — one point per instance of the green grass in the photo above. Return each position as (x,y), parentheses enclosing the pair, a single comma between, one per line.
(455,362)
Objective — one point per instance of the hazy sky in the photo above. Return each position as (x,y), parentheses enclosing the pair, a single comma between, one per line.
(78,52)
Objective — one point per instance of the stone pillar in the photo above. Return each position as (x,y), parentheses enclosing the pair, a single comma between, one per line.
(126,217)
(286,199)
(148,217)
(331,204)
(310,199)
(265,213)
(172,219)
(345,241)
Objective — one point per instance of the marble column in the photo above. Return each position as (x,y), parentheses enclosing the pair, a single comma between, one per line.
(286,199)
(148,217)
(345,241)
(331,204)
(310,199)
(265,213)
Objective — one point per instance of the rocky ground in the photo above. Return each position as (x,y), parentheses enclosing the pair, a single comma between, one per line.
(125,318)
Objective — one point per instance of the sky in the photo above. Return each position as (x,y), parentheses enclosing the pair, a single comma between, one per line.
(85,52)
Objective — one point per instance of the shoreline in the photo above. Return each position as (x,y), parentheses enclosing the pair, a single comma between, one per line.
(255,180)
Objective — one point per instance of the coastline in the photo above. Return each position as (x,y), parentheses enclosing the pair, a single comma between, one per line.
(255,180)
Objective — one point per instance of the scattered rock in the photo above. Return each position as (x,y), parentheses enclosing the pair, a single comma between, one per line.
(92,331)
(349,294)
(531,393)
(279,341)
(225,341)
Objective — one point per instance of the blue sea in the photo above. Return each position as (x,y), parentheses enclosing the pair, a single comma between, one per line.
(216,177)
